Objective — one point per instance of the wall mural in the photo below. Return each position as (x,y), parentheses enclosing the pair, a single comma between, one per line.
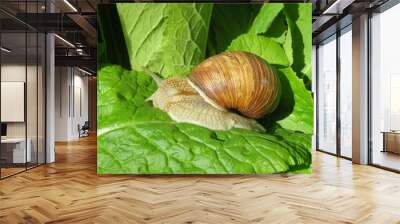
(199,88)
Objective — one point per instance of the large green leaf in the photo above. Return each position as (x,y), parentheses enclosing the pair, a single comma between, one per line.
(296,103)
(168,38)
(298,44)
(295,109)
(134,137)
(262,46)
(264,19)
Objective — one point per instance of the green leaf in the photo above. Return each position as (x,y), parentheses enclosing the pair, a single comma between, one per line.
(265,17)
(169,39)
(295,109)
(298,44)
(134,137)
(120,97)
(225,25)
(262,46)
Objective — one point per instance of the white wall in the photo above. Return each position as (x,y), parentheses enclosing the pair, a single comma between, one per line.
(80,102)
(12,73)
(70,83)
(62,81)
(13,101)
(33,127)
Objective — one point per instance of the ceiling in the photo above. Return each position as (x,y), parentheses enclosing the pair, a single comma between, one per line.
(16,42)
(74,22)
(332,15)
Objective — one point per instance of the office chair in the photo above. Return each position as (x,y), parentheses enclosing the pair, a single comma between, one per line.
(84,130)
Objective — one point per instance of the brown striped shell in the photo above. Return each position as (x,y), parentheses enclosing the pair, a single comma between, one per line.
(238,81)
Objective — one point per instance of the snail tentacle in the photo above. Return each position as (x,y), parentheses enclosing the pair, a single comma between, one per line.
(153,75)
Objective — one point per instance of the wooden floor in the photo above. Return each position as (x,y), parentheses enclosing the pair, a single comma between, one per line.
(70,191)
(387,159)
(10,171)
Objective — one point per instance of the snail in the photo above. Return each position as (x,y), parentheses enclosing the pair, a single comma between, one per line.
(228,90)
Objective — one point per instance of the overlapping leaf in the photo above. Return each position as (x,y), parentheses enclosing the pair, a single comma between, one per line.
(166,38)
(262,46)
(298,44)
(266,17)
(296,104)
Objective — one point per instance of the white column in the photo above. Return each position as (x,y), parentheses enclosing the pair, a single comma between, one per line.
(50,93)
(314,90)
(360,90)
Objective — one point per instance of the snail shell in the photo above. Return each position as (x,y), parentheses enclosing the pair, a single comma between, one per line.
(238,81)
(229,81)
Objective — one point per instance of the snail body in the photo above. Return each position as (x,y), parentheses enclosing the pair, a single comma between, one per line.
(219,87)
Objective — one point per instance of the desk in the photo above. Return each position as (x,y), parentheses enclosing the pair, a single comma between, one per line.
(391,141)
(16,147)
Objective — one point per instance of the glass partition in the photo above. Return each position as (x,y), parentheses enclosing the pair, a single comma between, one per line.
(31,100)
(41,91)
(32,85)
(14,153)
(22,77)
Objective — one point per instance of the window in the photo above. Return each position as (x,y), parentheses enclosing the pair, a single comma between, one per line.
(327,95)
(385,89)
(346,92)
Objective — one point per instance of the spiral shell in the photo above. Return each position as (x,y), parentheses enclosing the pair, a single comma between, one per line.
(238,81)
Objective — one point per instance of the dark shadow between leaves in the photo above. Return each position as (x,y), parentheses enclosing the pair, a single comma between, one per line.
(285,106)
(278,28)
(225,27)
(111,38)
(297,40)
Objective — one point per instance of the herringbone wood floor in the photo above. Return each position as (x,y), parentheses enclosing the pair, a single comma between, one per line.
(70,191)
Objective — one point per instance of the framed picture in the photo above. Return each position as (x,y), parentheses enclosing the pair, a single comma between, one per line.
(201,88)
